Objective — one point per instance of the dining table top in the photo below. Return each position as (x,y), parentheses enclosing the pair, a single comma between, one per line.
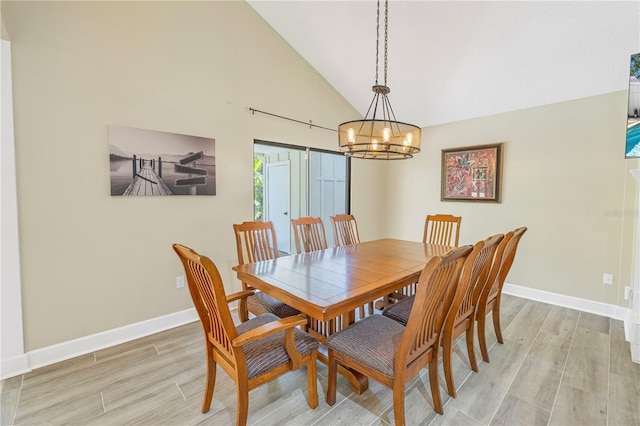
(327,283)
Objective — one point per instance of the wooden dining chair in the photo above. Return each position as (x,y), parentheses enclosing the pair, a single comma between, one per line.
(461,317)
(442,229)
(256,241)
(392,354)
(309,234)
(345,230)
(253,353)
(491,295)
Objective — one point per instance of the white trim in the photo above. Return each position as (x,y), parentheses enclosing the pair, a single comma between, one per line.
(12,356)
(634,337)
(598,308)
(14,366)
(634,317)
(84,345)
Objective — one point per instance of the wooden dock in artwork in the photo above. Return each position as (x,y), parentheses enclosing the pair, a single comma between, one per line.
(147,182)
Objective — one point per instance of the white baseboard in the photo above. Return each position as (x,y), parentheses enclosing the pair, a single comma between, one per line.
(598,308)
(84,345)
(14,366)
(635,353)
(634,332)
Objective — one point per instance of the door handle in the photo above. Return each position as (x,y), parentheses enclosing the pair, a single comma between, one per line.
(286,213)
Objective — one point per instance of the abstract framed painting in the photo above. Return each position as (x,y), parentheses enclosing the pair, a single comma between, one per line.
(472,173)
(150,162)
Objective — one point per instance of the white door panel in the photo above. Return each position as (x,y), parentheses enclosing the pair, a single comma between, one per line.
(327,188)
(278,201)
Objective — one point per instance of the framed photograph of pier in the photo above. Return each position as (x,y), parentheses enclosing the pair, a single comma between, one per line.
(149,162)
(472,173)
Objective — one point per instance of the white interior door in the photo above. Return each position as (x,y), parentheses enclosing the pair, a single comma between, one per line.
(278,201)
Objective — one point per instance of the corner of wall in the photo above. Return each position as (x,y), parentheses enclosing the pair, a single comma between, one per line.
(14,366)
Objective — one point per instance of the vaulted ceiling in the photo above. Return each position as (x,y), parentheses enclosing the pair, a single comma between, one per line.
(455,60)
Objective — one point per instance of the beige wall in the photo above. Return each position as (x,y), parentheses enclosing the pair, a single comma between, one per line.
(92,262)
(4,32)
(565,178)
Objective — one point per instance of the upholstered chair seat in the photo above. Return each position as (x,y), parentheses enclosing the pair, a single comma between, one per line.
(373,342)
(268,353)
(263,303)
(400,311)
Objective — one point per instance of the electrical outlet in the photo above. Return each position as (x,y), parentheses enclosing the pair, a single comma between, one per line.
(607,279)
(180,281)
(627,292)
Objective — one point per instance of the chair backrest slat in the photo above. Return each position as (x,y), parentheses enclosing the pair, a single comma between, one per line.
(345,230)
(442,229)
(309,234)
(255,241)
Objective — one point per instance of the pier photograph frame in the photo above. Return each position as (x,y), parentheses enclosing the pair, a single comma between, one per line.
(146,162)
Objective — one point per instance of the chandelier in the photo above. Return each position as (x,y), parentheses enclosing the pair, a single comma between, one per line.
(379,135)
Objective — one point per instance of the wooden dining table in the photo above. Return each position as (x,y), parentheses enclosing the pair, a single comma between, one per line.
(329,286)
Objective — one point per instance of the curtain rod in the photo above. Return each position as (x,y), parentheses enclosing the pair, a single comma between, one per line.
(310,123)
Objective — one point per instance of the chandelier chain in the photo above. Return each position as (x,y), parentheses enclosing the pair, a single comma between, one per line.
(386,36)
(377,38)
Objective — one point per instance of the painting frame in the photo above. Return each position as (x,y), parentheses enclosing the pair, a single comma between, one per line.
(144,162)
(632,139)
(472,173)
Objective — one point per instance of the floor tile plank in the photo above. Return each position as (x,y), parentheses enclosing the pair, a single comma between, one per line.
(594,322)
(538,379)
(514,411)
(159,379)
(481,395)
(588,362)
(561,322)
(578,407)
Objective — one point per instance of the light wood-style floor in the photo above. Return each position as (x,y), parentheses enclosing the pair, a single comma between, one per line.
(557,366)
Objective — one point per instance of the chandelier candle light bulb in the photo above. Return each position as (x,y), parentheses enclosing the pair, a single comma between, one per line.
(351,135)
(386,134)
